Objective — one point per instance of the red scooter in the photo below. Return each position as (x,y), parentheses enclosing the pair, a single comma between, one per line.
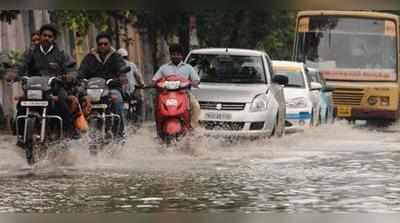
(172,107)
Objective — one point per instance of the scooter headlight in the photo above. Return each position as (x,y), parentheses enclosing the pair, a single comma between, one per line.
(172,85)
(95,94)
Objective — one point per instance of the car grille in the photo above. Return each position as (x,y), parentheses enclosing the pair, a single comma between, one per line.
(227,106)
(347,96)
(228,126)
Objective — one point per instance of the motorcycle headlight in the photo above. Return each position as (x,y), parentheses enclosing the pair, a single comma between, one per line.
(259,103)
(95,94)
(297,103)
(35,94)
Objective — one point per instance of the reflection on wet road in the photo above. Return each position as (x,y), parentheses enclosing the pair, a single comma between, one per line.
(336,168)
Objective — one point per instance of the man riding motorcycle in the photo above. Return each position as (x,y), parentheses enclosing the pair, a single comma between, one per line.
(181,69)
(103,61)
(46,59)
(135,79)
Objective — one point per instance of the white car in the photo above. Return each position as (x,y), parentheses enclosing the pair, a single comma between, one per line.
(238,94)
(302,96)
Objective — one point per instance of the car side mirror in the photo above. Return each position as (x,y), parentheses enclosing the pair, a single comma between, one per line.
(328,89)
(280,79)
(316,86)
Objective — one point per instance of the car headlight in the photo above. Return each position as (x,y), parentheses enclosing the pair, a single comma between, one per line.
(35,94)
(95,94)
(297,103)
(259,103)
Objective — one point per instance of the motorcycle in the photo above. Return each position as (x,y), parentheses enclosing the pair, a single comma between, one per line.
(131,109)
(172,108)
(103,123)
(37,122)
(39,127)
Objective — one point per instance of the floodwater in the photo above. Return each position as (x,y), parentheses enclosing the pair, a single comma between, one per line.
(335,168)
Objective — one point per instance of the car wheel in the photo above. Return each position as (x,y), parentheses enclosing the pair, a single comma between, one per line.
(279,127)
(319,118)
(312,119)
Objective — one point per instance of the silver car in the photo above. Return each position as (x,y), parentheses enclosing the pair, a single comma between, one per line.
(238,94)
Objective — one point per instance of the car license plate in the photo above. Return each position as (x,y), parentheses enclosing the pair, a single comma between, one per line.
(34,103)
(343,111)
(99,106)
(218,116)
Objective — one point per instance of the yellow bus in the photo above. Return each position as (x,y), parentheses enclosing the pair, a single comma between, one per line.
(357,53)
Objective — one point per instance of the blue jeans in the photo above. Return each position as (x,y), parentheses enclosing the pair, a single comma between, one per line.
(117,107)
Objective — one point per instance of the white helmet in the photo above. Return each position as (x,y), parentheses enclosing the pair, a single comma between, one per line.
(122,52)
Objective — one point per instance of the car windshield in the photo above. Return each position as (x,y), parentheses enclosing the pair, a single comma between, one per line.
(228,68)
(295,77)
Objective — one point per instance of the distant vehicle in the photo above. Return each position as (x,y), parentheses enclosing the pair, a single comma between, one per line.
(302,95)
(326,102)
(238,94)
(357,53)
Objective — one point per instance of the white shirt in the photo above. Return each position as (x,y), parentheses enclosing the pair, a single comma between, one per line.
(182,69)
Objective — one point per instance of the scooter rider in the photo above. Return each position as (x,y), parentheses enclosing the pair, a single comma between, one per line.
(46,59)
(178,67)
(103,61)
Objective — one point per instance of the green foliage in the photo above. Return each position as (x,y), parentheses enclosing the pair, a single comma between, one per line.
(271,31)
(166,23)
(8,15)
(80,20)
(9,59)
(279,43)
(264,30)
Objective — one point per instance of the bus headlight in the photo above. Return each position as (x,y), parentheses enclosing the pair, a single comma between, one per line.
(385,101)
(372,100)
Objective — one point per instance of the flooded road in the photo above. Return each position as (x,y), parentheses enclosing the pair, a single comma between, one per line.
(337,168)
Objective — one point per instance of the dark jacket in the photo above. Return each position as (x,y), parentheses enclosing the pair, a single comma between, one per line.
(37,63)
(93,66)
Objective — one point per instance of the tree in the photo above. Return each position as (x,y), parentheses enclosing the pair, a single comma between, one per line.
(8,15)
(270,31)
(163,25)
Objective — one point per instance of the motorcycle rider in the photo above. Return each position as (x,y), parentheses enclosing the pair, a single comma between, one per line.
(46,59)
(178,67)
(135,79)
(103,61)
